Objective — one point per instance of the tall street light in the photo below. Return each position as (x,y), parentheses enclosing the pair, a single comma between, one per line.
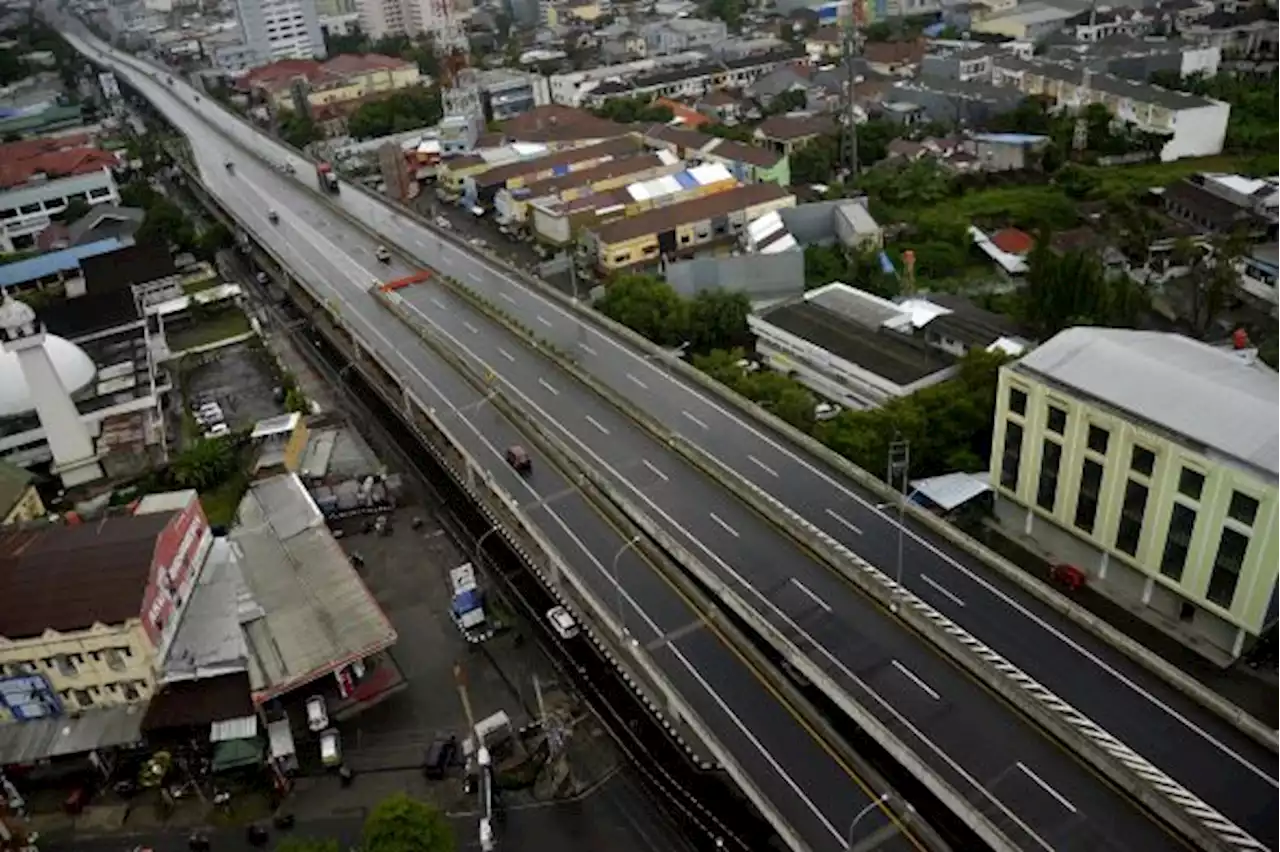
(899,465)
(617,586)
(880,800)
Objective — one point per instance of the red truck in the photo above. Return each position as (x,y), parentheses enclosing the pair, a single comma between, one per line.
(328,180)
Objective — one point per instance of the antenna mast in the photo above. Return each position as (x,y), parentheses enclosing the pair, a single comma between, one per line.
(848,53)
(459,90)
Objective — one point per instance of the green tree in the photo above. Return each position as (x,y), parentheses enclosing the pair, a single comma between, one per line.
(407,109)
(647,306)
(139,194)
(729,11)
(736,132)
(298,130)
(1072,288)
(204,465)
(402,824)
(718,320)
(638,109)
(307,844)
(77,208)
(817,161)
(213,239)
(788,101)
(166,224)
(1212,278)
(1254,123)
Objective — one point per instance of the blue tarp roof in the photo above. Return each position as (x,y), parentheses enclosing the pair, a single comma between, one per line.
(53,262)
(685,180)
(466,601)
(1010,138)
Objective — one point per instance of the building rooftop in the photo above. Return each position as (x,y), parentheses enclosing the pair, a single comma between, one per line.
(208,641)
(606,171)
(199,703)
(612,148)
(795,126)
(970,324)
(557,123)
(70,576)
(313,612)
(1211,397)
(55,736)
(120,270)
(860,340)
(105,220)
(13,484)
(1108,83)
(45,265)
(685,212)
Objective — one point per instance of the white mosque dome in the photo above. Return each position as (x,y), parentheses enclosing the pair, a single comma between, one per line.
(74,367)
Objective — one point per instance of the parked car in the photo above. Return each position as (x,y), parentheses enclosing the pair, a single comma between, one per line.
(442,222)
(564,624)
(439,756)
(317,714)
(826,411)
(331,748)
(518,458)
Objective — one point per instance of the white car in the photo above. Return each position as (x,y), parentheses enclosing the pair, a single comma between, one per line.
(562,622)
(331,748)
(826,411)
(382,254)
(442,222)
(317,714)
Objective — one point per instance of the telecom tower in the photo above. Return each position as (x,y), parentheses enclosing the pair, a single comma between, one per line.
(459,90)
(848,53)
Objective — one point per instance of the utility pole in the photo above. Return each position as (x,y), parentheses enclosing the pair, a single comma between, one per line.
(848,53)
(899,464)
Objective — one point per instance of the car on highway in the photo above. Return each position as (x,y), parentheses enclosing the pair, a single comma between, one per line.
(274,217)
(231,167)
(382,254)
(564,624)
(518,458)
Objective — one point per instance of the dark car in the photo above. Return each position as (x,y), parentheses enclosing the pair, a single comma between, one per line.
(519,459)
(439,757)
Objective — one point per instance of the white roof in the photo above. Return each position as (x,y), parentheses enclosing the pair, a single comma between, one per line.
(922,311)
(780,245)
(165,501)
(710,173)
(74,368)
(1010,263)
(765,225)
(952,489)
(1211,396)
(277,425)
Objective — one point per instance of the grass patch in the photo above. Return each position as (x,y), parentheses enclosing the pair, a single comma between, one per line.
(190,288)
(220,503)
(219,326)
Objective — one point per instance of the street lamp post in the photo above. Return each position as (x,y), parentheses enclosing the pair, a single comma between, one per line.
(899,465)
(617,585)
(480,541)
(880,800)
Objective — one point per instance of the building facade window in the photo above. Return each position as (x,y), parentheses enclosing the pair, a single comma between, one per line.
(1177,543)
(1227,565)
(1087,499)
(1012,457)
(1098,439)
(1191,483)
(1129,532)
(1050,461)
(1142,460)
(1057,420)
(1243,509)
(1018,401)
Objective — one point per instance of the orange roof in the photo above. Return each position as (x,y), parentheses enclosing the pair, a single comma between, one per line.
(56,163)
(687,116)
(1013,241)
(282,72)
(280,75)
(345,64)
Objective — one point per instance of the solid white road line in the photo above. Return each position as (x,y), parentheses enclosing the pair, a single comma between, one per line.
(914,678)
(654,470)
(637,382)
(1044,785)
(846,523)
(587,349)
(507,297)
(755,461)
(469,327)
(810,594)
(544,320)
(505,354)
(730,530)
(693,419)
(474,277)
(596,423)
(546,385)
(937,587)
(439,304)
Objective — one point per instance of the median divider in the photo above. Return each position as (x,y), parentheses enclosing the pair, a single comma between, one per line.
(1122,765)
(553,568)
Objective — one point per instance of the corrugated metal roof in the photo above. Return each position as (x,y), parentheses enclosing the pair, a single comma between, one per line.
(54,262)
(233,729)
(1210,396)
(316,611)
(27,742)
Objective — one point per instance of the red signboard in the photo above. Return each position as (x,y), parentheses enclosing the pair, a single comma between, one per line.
(175,558)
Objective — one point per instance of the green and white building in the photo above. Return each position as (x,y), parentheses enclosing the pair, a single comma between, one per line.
(1148,460)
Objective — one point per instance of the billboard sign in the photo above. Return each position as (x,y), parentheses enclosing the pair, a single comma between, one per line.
(29,697)
(180,551)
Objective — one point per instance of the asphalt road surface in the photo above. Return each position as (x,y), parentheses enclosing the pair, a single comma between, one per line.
(1029,786)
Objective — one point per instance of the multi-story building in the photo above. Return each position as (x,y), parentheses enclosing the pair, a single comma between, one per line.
(747,163)
(1149,461)
(280,29)
(382,18)
(696,80)
(1195,126)
(571,88)
(507,92)
(87,610)
(344,79)
(39,177)
(682,34)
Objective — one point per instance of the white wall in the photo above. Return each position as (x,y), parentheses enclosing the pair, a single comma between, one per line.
(1198,132)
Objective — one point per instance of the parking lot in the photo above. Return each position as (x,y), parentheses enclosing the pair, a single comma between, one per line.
(240,379)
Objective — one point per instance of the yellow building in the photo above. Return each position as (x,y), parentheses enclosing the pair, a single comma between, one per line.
(19,500)
(88,609)
(345,78)
(1149,461)
(682,228)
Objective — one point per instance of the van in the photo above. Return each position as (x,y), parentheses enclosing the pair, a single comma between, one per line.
(438,757)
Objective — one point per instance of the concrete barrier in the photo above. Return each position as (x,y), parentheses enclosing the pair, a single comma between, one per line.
(1180,680)
(1122,765)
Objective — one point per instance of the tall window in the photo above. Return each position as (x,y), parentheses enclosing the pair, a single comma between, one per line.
(1087,499)
(1177,544)
(1098,439)
(1012,457)
(1057,420)
(1190,483)
(1129,533)
(1050,460)
(1018,401)
(1227,565)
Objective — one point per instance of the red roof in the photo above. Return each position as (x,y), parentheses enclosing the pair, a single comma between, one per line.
(345,64)
(284,71)
(19,166)
(687,116)
(280,75)
(1013,241)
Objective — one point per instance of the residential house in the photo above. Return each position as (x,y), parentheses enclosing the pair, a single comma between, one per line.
(506,93)
(747,163)
(1148,461)
(696,80)
(304,85)
(894,58)
(682,34)
(721,107)
(482,188)
(787,78)
(19,500)
(1194,203)
(39,177)
(1249,31)
(936,99)
(825,44)
(791,132)
(512,205)
(1034,21)
(683,115)
(571,88)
